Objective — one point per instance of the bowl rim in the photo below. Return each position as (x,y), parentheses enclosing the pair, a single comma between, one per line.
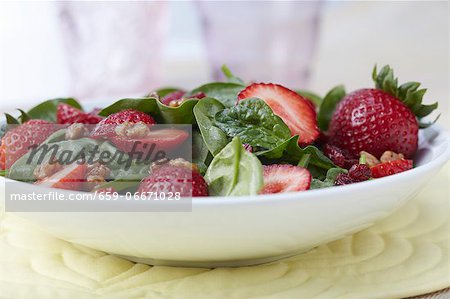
(436,163)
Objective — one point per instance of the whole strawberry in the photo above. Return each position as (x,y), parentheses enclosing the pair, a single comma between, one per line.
(106,128)
(175,176)
(17,141)
(386,118)
(67,114)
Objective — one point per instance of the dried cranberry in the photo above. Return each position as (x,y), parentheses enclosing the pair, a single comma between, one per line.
(335,154)
(360,172)
(343,179)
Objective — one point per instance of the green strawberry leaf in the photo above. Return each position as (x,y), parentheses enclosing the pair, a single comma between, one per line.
(409,93)
(328,105)
(254,122)
(11,120)
(234,171)
(23,116)
(47,110)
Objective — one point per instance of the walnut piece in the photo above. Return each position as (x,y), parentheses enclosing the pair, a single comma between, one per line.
(371,160)
(96,175)
(132,130)
(389,156)
(76,131)
(47,169)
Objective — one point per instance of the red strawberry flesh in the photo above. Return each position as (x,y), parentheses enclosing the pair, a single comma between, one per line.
(67,114)
(164,139)
(390,168)
(170,178)
(71,177)
(18,140)
(296,111)
(106,128)
(280,178)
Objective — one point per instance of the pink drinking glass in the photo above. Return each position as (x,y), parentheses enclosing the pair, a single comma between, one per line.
(113,48)
(271,41)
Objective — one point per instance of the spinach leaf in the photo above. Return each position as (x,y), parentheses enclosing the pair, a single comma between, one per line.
(4,172)
(254,122)
(230,77)
(23,169)
(290,151)
(215,139)
(162,92)
(47,109)
(332,174)
(182,114)
(200,152)
(59,135)
(146,105)
(224,92)
(316,99)
(234,171)
(328,105)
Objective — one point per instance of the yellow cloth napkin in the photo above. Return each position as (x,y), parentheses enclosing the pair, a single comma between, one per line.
(404,255)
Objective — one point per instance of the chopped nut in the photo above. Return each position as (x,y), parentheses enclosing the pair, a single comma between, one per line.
(179,162)
(96,175)
(98,169)
(390,156)
(131,130)
(45,170)
(371,160)
(76,131)
(176,103)
(153,94)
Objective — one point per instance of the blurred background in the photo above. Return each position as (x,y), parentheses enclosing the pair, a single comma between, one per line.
(98,50)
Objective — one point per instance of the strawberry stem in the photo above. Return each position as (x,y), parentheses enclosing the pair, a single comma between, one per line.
(408,93)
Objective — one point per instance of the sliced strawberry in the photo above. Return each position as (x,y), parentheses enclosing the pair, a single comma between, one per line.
(106,128)
(174,178)
(391,167)
(71,177)
(18,141)
(164,139)
(296,111)
(281,178)
(67,114)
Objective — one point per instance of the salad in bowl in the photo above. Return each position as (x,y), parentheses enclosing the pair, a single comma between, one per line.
(266,171)
(244,139)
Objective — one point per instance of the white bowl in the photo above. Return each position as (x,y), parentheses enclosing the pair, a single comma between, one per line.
(237,231)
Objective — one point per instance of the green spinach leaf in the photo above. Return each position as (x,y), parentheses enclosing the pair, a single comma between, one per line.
(182,114)
(254,122)
(224,92)
(290,151)
(316,99)
(146,105)
(162,92)
(332,174)
(200,152)
(234,171)
(215,139)
(47,109)
(230,77)
(328,105)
